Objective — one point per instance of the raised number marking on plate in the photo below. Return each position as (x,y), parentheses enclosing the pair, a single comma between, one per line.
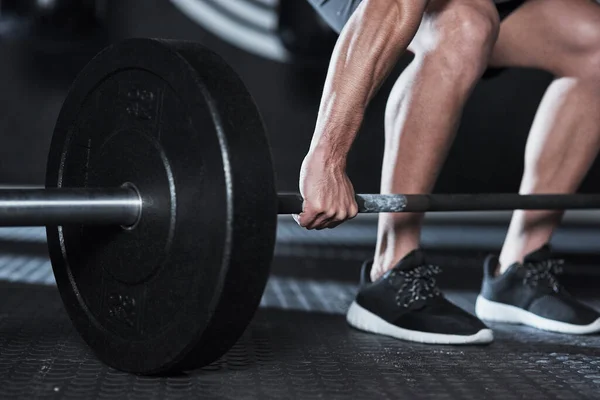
(141,103)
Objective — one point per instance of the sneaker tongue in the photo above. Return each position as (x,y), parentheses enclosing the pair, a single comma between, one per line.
(413,259)
(541,254)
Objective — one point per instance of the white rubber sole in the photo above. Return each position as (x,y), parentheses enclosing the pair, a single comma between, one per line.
(499,312)
(365,320)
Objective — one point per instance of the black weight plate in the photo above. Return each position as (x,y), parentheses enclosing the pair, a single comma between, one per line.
(179,288)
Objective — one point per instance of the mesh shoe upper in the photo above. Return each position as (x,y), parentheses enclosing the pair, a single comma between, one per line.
(534,286)
(408,297)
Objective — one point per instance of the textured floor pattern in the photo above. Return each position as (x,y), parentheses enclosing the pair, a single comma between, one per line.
(298,347)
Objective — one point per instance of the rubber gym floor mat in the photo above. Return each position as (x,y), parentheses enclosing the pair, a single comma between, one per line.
(297,347)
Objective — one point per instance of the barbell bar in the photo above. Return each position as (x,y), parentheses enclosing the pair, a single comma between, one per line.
(391,203)
(123,205)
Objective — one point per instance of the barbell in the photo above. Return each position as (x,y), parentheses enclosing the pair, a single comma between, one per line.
(160,205)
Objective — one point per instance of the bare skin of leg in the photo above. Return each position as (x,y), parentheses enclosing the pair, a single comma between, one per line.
(451,48)
(563,37)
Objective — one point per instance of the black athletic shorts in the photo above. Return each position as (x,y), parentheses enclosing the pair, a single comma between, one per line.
(337,12)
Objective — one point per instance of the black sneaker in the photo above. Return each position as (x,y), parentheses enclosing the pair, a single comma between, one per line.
(530,294)
(406,304)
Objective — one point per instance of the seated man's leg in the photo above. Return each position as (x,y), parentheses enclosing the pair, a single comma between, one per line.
(562,37)
(451,49)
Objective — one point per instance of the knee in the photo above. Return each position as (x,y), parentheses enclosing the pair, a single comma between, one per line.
(463,38)
(467,39)
(585,60)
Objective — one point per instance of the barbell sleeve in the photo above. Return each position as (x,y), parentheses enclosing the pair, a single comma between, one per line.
(64,206)
(390,203)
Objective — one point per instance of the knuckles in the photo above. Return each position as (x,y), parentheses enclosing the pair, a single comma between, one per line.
(318,215)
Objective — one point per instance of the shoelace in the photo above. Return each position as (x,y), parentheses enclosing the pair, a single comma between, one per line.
(416,284)
(543,272)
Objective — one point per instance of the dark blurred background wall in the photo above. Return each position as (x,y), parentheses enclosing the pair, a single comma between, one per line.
(280,48)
